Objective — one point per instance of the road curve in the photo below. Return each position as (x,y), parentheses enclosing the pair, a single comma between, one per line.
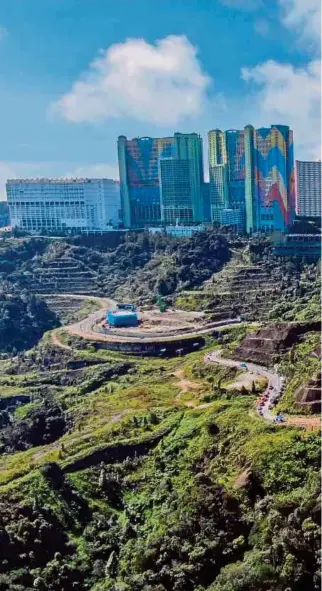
(275,381)
(84,328)
(88,328)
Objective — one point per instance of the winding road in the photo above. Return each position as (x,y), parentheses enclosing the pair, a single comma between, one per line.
(89,328)
(275,381)
(84,329)
(274,390)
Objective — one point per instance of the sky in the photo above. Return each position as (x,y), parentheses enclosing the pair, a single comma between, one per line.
(75,74)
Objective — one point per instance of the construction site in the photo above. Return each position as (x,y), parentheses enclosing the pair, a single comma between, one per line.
(154,328)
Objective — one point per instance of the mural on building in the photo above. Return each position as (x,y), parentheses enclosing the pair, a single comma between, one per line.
(273,194)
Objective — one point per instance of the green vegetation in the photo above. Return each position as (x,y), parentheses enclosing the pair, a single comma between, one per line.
(146,488)
(121,473)
(141,266)
(299,365)
(211,271)
(23,319)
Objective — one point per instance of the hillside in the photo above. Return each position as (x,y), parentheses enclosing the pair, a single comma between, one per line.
(218,273)
(23,319)
(120,472)
(49,266)
(146,483)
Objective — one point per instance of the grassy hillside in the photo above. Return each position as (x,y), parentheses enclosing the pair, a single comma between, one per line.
(129,474)
(120,473)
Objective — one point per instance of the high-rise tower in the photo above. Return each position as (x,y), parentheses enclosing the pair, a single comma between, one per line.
(182,180)
(252,171)
(269,185)
(139,178)
(226,173)
(308,188)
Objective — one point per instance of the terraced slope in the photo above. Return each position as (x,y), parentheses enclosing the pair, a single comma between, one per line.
(262,291)
(64,275)
(235,289)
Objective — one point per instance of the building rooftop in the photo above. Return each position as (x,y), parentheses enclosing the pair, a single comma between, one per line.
(124,312)
(59,180)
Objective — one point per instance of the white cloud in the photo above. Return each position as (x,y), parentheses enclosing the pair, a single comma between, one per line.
(281,93)
(304,17)
(159,84)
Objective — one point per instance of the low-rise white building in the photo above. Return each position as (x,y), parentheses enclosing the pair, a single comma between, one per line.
(178,231)
(75,205)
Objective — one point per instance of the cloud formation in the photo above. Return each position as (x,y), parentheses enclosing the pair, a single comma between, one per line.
(281,93)
(160,84)
(303,17)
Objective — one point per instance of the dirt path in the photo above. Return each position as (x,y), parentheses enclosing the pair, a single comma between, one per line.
(186,386)
(57,342)
(83,328)
(245,379)
(309,423)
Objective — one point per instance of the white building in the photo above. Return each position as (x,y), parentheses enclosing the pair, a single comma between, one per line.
(178,231)
(75,205)
(308,188)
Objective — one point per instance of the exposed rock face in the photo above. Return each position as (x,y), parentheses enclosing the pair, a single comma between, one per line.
(262,345)
(309,395)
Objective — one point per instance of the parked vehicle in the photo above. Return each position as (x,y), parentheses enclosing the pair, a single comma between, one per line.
(279,418)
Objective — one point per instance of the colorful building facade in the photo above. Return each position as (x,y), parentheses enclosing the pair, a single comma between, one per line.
(252,171)
(139,178)
(269,178)
(226,153)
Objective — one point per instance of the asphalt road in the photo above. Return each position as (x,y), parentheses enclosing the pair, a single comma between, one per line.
(275,381)
(88,328)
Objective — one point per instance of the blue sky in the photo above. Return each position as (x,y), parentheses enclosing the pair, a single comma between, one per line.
(74,74)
